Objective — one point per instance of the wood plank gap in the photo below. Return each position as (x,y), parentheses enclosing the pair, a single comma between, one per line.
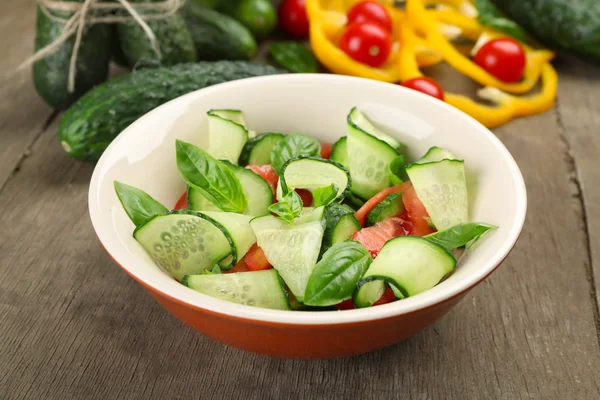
(576,180)
(29,148)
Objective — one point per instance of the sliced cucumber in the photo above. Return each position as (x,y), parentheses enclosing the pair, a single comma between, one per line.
(238,227)
(442,187)
(293,250)
(390,206)
(333,213)
(353,201)
(368,292)
(257,288)
(258,150)
(369,160)
(347,226)
(411,263)
(435,154)
(227,134)
(306,172)
(339,151)
(310,214)
(256,189)
(363,123)
(183,242)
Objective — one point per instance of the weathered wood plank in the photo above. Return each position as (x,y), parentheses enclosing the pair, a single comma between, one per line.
(579,113)
(23,114)
(74,326)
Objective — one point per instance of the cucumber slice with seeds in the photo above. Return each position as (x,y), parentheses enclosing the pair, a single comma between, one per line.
(442,187)
(238,227)
(435,154)
(307,172)
(363,123)
(257,288)
(258,150)
(227,134)
(369,160)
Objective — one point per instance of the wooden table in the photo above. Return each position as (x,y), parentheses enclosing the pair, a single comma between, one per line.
(74,326)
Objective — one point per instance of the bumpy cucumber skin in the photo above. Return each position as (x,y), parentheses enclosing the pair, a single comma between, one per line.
(89,126)
(174,38)
(217,36)
(51,74)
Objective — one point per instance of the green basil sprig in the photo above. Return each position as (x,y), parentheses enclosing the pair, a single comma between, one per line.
(138,204)
(490,15)
(293,146)
(211,177)
(459,235)
(294,57)
(289,208)
(325,195)
(334,278)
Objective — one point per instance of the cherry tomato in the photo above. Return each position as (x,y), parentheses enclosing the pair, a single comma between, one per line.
(326,150)
(370,11)
(306,196)
(504,58)
(425,85)
(386,297)
(293,19)
(182,202)
(367,42)
(256,260)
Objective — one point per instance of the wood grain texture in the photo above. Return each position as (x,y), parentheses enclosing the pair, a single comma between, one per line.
(23,115)
(579,94)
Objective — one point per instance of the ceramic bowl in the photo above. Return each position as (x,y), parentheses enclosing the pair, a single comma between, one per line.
(144,156)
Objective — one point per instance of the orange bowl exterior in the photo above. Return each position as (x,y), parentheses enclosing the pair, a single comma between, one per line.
(305,341)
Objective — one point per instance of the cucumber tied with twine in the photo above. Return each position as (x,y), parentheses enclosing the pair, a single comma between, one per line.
(90,12)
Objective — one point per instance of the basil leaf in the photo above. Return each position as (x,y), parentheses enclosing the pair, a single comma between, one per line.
(490,15)
(289,208)
(459,235)
(211,177)
(325,195)
(334,278)
(293,146)
(293,56)
(138,204)
(398,170)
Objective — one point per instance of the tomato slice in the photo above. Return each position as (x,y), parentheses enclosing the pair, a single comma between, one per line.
(345,305)
(182,202)
(326,150)
(387,297)
(374,237)
(361,214)
(267,173)
(256,260)
(416,213)
(306,197)
(239,267)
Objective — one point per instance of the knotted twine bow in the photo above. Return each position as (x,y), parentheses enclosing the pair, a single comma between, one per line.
(92,12)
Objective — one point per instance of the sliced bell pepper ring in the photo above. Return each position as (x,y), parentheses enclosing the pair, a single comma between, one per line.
(327,19)
(428,26)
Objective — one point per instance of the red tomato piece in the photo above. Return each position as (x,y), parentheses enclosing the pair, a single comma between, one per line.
(367,42)
(256,260)
(374,237)
(361,214)
(504,58)
(267,173)
(239,267)
(345,305)
(306,197)
(370,11)
(293,19)
(425,85)
(387,297)
(416,213)
(326,150)
(182,202)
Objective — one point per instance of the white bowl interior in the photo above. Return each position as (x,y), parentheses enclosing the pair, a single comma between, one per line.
(144,156)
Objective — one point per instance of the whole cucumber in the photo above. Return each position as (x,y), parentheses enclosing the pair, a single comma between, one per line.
(259,16)
(51,74)
(571,25)
(218,36)
(88,127)
(174,40)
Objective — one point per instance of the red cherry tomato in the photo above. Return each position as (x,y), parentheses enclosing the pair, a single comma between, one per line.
(345,305)
(306,196)
(293,19)
(256,260)
(367,42)
(425,85)
(182,202)
(504,58)
(387,297)
(370,11)
(326,150)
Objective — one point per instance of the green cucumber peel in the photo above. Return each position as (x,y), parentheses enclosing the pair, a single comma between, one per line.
(138,205)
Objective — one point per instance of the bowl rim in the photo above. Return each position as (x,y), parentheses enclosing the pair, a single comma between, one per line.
(205,303)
